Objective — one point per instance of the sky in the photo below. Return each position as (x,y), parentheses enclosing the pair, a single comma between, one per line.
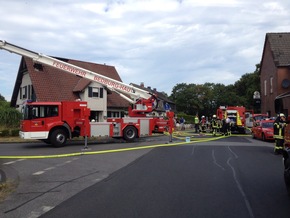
(160,43)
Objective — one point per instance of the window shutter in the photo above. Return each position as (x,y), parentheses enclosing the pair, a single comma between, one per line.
(29,92)
(101,92)
(20,93)
(25,92)
(90,92)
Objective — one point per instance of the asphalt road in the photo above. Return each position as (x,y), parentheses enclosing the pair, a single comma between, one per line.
(230,177)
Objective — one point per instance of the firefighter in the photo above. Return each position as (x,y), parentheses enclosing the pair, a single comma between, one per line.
(219,125)
(196,123)
(279,126)
(214,125)
(228,126)
(202,125)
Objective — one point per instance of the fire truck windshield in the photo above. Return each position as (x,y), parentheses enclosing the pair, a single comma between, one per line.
(39,111)
(233,119)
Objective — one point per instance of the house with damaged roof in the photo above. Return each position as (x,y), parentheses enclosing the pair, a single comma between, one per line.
(39,82)
(275,73)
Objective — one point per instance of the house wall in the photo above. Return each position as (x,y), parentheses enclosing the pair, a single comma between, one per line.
(268,80)
(26,90)
(271,82)
(97,104)
(283,75)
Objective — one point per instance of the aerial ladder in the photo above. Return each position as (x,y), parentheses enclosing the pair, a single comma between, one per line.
(143,103)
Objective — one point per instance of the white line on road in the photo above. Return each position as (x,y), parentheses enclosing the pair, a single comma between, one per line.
(51,168)
(38,173)
(38,213)
(12,162)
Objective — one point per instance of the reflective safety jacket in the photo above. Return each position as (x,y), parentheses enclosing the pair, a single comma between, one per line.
(214,123)
(279,126)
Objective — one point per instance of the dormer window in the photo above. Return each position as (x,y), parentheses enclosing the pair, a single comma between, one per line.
(96,92)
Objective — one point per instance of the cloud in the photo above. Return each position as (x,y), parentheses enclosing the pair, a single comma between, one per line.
(158,42)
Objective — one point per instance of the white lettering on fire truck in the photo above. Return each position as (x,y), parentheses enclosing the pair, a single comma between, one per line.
(113,84)
(69,68)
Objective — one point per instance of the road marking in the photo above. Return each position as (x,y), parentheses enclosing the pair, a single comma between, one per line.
(12,162)
(53,167)
(49,168)
(38,173)
(38,213)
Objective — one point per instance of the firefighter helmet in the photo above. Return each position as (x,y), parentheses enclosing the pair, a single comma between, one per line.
(214,116)
(282,115)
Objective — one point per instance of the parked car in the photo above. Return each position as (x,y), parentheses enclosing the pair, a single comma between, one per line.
(251,118)
(263,129)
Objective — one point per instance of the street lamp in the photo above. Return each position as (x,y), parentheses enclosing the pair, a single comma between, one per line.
(257,101)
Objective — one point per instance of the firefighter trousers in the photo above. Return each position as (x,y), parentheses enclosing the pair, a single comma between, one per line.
(279,146)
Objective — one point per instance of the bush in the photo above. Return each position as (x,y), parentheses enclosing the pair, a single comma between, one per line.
(9,117)
(15,132)
(4,133)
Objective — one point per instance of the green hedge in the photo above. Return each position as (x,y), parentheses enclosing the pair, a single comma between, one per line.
(9,117)
(9,132)
(14,132)
(5,133)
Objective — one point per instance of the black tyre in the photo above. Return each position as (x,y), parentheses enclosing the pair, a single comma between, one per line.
(58,137)
(130,133)
(263,137)
(253,135)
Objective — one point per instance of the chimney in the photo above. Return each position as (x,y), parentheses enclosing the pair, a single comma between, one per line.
(142,84)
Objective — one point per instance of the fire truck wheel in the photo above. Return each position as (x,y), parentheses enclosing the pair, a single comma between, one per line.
(253,135)
(58,138)
(129,133)
(263,137)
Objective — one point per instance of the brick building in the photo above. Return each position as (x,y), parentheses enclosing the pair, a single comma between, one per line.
(275,73)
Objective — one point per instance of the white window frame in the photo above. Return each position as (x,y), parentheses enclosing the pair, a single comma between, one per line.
(271,84)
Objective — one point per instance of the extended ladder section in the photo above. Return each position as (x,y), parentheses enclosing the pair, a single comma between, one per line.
(143,100)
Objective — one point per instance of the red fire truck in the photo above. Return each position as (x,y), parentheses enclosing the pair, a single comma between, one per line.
(55,122)
(236,115)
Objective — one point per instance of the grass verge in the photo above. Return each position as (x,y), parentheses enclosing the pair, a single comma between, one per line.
(6,188)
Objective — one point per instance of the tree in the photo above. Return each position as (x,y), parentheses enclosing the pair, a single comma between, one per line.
(206,98)
(2,98)
(9,117)
(247,85)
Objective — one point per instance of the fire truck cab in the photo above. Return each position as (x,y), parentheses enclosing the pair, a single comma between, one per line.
(236,115)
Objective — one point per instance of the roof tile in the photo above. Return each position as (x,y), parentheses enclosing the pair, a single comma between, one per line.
(280,46)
